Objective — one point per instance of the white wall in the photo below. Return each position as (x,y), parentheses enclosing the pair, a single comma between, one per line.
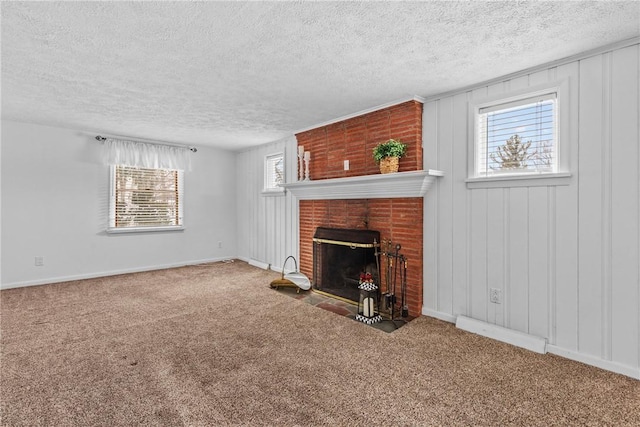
(566,257)
(55,201)
(267,225)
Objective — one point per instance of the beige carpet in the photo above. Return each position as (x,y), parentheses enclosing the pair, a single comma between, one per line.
(214,345)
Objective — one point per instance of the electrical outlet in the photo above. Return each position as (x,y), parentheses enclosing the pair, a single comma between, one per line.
(346,165)
(495,295)
(39,261)
(219,244)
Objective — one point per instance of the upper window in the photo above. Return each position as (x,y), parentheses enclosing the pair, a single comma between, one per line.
(274,172)
(145,199)
(517,137)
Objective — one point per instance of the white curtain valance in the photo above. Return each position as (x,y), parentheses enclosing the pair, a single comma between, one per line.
(146,155)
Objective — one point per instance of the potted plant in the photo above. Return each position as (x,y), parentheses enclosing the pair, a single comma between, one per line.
(388,153)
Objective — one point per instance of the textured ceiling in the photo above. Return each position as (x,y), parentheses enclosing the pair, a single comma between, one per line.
(237,74)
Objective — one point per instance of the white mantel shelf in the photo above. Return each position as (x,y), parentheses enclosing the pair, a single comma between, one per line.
(379,186)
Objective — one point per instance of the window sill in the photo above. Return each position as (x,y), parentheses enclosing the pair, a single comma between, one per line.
(143,229)
(537,180)
(276,192)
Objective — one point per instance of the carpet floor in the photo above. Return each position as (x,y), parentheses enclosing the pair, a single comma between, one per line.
(214,345)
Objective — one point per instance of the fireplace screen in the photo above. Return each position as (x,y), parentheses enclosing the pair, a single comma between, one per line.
(340,255)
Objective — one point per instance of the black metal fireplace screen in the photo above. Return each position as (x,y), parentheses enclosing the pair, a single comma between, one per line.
(340,255)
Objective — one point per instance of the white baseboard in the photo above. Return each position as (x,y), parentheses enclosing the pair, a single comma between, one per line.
(509,336)
(539,345)
(259,264)
(607,365)
(60,279)
(439,315)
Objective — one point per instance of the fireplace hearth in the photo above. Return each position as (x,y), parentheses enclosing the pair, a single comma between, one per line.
(340,256)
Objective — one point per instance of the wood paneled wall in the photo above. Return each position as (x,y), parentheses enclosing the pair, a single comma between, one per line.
(566,257)
(267,224)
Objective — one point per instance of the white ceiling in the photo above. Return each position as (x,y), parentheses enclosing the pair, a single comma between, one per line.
(237,74)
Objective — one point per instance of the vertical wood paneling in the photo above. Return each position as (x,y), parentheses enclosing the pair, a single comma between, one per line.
(271,231)
(538,267)
(551,264)
(478,259)
(590,208)
(257,232)
(476,248)
(566,233)
(430,161)
(256,240)
(517,296)
(606,205)
(539,77)
(445,207)
(625,183)
(518,83)
(458,214)
(267,225)
(240,244)
(495,250)
(567,257)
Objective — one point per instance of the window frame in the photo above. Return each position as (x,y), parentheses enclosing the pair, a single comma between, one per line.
(112,229)
(562,174)
(277,190)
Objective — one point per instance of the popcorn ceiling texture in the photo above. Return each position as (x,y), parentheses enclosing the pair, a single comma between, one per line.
(236,74)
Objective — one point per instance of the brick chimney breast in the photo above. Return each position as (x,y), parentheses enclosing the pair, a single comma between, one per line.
(398,219)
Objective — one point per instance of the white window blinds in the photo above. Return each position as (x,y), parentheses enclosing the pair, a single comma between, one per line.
(518,137)
(146,198)
(274,171)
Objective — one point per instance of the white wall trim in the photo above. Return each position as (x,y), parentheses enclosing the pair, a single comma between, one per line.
(607,365)
(52,280)
(438,315)
(509,336)
(533,180)
(259,264)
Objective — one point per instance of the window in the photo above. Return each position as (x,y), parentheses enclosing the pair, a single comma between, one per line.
(274,173)
(145,199)
(517,137)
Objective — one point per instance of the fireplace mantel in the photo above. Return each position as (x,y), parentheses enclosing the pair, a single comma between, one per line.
(379,186)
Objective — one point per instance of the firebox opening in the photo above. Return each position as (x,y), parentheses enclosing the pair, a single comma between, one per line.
(340,255)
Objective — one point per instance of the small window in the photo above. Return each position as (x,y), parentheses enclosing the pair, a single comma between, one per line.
(518,137)
(145,199)
(274,172)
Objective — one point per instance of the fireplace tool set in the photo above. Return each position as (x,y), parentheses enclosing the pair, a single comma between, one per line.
(396,270)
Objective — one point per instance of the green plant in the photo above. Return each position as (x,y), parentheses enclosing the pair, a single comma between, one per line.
(390,148)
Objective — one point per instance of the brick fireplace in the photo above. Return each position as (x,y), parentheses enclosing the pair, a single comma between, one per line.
(399,219)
